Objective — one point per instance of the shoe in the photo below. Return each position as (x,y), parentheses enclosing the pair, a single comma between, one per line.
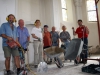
(19,72)
(11,72)
(35,66)
(50,62)
(8,73)
(76,62)
(81,62)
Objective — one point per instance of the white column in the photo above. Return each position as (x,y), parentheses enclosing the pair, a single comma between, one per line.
(78,6)
(56,13)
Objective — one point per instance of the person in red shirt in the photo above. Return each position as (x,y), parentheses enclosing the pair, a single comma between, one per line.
(47,40)
(47,37)
(82,31)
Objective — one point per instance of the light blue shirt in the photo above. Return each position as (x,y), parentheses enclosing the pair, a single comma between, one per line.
(23,35)
(55,38)
(7,30)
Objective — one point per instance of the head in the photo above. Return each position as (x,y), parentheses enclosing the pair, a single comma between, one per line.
(64,28)
(21,23)
(80,22)
(45,27)
(11,18)
(37,23)
(53,28)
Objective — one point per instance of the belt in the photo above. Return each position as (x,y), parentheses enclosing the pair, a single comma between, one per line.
(36,40)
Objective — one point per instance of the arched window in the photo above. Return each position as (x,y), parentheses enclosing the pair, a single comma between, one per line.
(91,10)
(64,10)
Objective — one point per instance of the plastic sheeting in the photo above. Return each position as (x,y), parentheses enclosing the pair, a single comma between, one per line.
(74,49)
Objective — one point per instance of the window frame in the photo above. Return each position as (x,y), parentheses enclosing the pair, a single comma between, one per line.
(90,11)
(62,8)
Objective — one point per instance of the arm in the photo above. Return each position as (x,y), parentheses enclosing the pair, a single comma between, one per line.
(7,37)
(58,42)
(74,33)
(28,38)
(69,37)
(87,30)
(34,36)
(51,38)
(27,33)
(61,37)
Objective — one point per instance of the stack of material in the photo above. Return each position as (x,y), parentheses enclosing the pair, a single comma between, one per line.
(95,50)
(92,68)
(53,50)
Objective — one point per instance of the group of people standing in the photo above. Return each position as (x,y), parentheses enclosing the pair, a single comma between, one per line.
(42,38)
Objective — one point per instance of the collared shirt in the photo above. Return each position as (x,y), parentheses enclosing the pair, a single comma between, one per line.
(55,38)
(64,36)
(23,35)
(37,32)
(7,30)
(80,31)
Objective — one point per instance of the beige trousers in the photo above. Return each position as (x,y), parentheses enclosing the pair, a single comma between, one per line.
(38,52)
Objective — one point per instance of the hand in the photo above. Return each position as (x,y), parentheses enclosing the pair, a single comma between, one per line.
(39,39)
(9,38)
(73,28)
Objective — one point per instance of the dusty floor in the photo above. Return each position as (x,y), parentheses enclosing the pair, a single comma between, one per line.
(68,69)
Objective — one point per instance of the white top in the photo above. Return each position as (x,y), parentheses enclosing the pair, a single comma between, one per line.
(37,32)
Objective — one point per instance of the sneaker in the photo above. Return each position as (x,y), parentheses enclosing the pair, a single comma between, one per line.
(50,62)
(19,72)
(76,62)
(11,72)
(35,66)
(8,73)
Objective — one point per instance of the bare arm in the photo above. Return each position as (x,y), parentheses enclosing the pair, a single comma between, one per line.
(28,38)
(7,37)
(87,30)
(73,31)
(34,36)
(58,41)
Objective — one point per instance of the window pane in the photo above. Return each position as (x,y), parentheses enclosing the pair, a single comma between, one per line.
(63,2)
(64,14)
(91,5)
(92,16)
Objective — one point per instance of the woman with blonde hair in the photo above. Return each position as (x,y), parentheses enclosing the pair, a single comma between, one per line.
(38,44)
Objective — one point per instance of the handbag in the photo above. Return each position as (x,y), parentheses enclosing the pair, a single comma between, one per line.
(12,44)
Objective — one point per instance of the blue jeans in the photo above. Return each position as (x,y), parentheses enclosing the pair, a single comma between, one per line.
(66,44)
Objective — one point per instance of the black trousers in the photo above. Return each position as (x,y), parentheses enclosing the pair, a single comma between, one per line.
(84,53)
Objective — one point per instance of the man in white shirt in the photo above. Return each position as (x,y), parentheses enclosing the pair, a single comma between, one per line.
(38,44)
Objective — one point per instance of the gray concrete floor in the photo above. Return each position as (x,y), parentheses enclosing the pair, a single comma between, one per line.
(68,69)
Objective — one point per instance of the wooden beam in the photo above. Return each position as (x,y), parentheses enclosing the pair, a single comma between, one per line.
(97,19)
(97,1)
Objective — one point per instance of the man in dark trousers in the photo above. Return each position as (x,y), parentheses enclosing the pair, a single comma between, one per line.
(82,31)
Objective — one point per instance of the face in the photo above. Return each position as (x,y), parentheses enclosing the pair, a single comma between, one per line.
(53,28)
(79,23)
(38,23)
(11,19)
(64,28)
(45,28)
(21,23)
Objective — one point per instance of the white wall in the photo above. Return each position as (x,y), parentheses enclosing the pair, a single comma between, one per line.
(7,7)
(30,10)
(71,16)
